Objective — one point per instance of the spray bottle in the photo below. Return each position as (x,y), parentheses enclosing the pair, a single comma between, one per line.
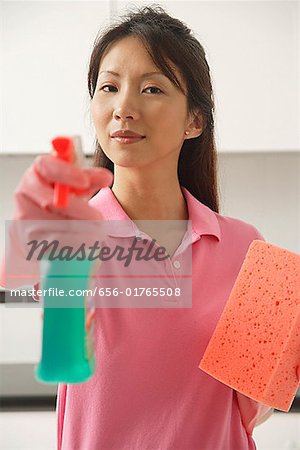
(67,338)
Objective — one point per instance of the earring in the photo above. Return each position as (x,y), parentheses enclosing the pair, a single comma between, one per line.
(186,132)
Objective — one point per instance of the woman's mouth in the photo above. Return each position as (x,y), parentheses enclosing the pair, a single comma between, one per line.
(128,140)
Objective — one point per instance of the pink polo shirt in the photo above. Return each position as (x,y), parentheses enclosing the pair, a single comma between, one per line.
(147,392)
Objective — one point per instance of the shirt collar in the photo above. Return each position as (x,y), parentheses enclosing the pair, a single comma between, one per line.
(203,220)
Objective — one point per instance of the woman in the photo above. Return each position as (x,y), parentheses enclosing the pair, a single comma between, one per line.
(152,107)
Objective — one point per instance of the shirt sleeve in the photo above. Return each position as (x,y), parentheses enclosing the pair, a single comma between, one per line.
(252,412)
(257,235)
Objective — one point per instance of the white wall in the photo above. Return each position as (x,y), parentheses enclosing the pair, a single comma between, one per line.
(253,51)
(252,48)
(45,50)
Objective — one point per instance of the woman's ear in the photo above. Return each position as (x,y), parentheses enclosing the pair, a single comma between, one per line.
(195,128)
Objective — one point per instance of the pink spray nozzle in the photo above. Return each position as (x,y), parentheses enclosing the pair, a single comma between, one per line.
(63,147)
(64,150)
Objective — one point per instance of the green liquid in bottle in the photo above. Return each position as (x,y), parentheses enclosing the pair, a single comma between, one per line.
(67,355)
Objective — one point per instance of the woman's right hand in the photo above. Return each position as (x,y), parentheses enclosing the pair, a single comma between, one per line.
(34,194)
(36,218)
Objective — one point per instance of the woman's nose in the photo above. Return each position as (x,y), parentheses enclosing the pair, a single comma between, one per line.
(125,109)
(122,114)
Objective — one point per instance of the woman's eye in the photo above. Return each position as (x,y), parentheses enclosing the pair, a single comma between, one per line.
(150,87)
(107,85)
(154,87)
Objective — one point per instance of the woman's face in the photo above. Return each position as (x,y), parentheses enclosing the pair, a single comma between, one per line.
(146,104)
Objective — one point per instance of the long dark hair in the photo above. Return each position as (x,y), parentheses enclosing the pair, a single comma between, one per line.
(167,38)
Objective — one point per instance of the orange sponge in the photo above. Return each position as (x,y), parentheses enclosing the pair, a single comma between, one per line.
(255,348)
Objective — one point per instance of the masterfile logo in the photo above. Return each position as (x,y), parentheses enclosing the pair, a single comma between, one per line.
(115,263)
